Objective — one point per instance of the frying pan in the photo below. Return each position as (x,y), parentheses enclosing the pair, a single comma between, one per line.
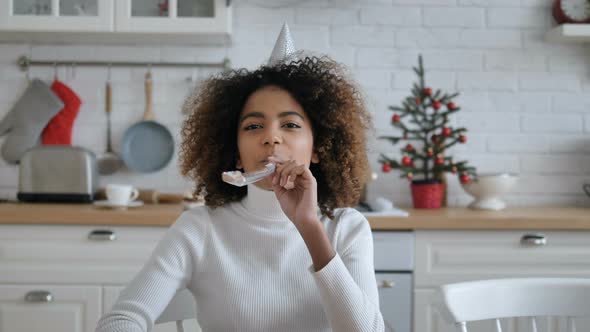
(147,145)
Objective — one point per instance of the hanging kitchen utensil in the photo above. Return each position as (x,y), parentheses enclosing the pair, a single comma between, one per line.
(27,119)
(59,130)
(147,145)
(109,162)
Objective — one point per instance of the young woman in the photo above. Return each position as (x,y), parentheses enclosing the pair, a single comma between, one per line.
(285,253)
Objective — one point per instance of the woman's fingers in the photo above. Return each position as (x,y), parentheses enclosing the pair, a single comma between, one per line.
(286,174)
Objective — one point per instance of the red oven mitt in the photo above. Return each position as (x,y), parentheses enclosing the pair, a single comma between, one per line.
(59,129)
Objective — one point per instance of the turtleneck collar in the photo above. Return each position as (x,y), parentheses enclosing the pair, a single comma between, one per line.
(263,204)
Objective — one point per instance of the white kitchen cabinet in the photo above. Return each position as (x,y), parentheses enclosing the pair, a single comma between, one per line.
(116,21)
(182,16)
(453,256)
(57,15)
(42,308)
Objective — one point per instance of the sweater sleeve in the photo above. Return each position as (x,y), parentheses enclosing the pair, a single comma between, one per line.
(347,284)
(168,270)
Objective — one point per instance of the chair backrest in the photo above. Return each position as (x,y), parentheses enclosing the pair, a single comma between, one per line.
(181,307)
(519,297)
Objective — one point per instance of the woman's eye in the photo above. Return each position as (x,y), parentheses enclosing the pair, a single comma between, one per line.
(252,126)
(291,125)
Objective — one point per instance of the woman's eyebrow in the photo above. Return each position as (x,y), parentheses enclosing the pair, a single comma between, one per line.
(260,115)
(284,114)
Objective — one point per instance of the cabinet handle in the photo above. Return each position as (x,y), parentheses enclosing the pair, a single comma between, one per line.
(533,240)
(39,296)
(102,235)
(386,284)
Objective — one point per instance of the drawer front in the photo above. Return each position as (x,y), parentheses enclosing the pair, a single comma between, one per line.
(452,256)
(394,251)
(42,308)
(74,254)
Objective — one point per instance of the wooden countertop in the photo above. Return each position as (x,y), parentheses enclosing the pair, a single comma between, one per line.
(556,218)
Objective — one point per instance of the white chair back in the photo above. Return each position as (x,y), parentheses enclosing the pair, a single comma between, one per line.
(520,297)
(181,307)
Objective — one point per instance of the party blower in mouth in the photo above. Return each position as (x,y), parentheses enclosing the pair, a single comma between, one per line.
(240,179)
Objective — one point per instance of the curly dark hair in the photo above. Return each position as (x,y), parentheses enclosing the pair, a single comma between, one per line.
(328,96)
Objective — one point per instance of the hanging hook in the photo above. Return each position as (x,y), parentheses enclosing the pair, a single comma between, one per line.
(55,71)
(73,77)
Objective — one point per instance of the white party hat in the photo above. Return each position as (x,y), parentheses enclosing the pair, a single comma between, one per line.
(284,48)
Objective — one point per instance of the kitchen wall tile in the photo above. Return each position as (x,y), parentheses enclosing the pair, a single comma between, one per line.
(489,38)
(426,38)
(518,18)
(363,36)
(552,164)
(500,81)
(549,82)
(570,143)
(454,17)
(519,144)
(514,60)
(323,16)
(406,16)
(443,59)
(552,124)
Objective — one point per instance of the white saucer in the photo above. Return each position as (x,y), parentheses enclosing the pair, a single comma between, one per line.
(109,205)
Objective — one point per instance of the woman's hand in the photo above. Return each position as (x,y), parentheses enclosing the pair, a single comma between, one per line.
(296,189)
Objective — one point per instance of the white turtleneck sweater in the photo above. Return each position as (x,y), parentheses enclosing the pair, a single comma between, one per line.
(249,270)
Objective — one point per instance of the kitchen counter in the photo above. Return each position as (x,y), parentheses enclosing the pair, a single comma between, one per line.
(556,218)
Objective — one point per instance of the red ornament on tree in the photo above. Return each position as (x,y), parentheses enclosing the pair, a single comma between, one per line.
(439,161)
(386,168)
(418,101)
(465,178)
(395,118)
(434,138)
(446,131)
(427,91)
(451,105)
(436,105)
(406,161)
(462,138)
(409,147)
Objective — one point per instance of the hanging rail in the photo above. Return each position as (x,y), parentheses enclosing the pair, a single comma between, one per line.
(25,63)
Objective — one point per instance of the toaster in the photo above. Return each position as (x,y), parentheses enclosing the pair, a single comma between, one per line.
(57,173)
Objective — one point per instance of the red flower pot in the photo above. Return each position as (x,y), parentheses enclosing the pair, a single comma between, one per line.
(427,194)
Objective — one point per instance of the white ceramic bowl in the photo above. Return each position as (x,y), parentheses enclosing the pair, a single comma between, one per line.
(487,190)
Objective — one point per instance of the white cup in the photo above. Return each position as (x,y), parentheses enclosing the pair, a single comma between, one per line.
(121,194)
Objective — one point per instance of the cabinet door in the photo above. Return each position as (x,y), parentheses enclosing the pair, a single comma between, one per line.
(42,308)
(111,293)
(395,300)
(173,16)
(56,15)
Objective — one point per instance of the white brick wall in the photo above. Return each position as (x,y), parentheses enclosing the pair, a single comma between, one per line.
(525,102)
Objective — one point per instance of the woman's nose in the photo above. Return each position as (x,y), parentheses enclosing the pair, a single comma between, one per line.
(272,137)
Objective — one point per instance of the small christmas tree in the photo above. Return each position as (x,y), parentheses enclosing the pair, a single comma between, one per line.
(427,116)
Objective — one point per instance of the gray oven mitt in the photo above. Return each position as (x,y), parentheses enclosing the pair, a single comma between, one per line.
(27,118)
